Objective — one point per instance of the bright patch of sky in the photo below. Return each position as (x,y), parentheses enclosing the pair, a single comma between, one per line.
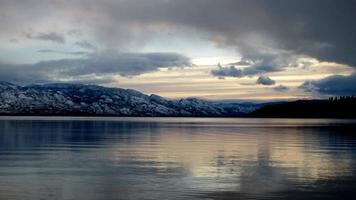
(192,44)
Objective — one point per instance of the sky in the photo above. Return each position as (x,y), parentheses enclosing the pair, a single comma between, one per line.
(226,49)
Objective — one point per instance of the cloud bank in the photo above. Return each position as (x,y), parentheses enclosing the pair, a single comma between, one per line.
(91,68)
(323,29)
(332,85)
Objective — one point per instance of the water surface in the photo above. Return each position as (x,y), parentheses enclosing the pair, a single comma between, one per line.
(176,158)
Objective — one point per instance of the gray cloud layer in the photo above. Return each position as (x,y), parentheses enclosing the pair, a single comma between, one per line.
(268,34)
(90,68)
(324,29)
(332,85)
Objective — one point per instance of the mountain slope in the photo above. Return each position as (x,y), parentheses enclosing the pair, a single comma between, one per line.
(78,99)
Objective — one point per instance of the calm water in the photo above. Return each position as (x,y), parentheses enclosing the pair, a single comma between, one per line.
(176,158)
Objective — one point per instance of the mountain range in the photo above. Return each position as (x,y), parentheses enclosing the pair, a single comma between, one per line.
(87,100)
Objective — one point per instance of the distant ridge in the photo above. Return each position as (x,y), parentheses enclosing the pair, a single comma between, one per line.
(92,100)
(337,107)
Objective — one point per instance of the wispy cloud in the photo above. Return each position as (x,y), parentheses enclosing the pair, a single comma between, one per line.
(281,88)
(49,36)
(85,45)
(63,52)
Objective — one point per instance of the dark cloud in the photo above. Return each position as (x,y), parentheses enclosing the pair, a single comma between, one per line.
(332,85)
(95,65)
(124,64)
(231,71)
(281,88)
(260,69)
(50,36)
(85,45)
(265,80)
(258,64)
(324,29)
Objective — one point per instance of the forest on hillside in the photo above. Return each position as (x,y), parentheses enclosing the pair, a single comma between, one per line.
(334,107)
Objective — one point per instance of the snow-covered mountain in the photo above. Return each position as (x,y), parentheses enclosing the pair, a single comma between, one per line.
(78,99)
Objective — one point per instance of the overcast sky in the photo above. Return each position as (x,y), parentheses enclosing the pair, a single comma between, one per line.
(226,49)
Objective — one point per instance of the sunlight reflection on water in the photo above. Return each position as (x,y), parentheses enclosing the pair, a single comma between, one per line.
(175,158)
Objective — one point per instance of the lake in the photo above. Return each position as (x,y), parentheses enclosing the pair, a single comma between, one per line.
(176,158)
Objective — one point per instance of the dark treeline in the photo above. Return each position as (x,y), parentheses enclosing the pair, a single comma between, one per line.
(343,98)
(334,107)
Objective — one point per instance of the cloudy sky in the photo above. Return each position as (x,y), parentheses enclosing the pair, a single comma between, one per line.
(226,49)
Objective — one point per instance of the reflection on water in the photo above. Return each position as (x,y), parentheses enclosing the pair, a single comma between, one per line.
(176,158)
